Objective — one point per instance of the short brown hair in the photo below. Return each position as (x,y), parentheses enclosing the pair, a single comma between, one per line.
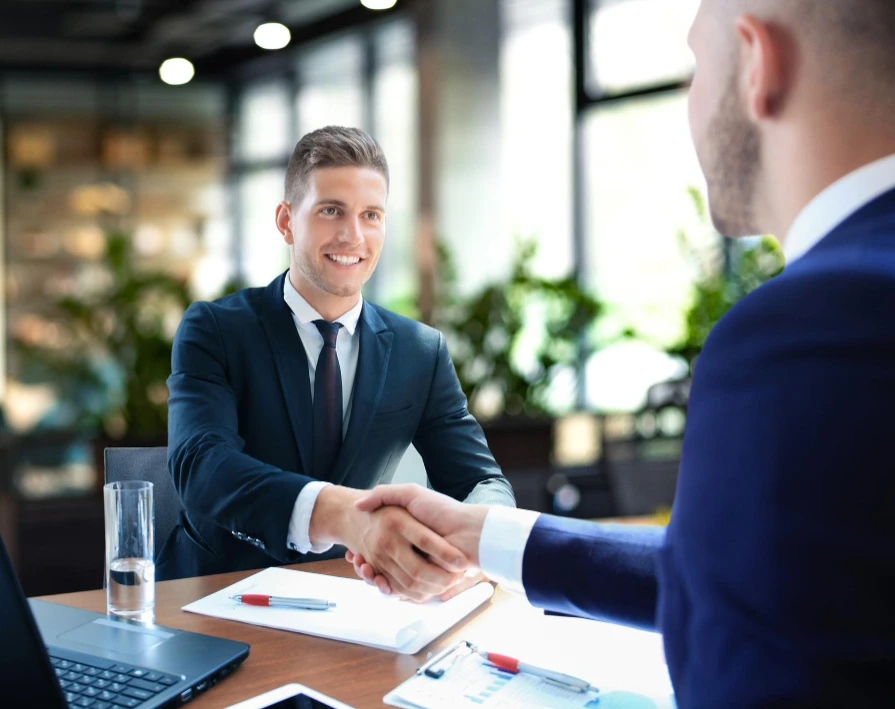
(332,146)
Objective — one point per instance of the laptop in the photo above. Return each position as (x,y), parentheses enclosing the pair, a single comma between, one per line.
(54,656)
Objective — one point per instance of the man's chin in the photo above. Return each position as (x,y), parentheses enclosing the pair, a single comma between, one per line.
(343,291)
(733,227)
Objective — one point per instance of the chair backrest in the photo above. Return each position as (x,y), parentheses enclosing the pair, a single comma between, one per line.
(148,464)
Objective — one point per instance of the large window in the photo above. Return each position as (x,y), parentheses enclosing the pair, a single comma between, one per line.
(330,84)
(537,120)
(264,122)
(637,44)
(394,122)
(264,254)
(639,164)
(637,169)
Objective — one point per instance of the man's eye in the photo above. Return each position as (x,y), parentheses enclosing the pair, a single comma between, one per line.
(329,211)
(373,215)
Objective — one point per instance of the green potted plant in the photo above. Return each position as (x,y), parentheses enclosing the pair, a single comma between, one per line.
(112,372)
(485,330)
(721,282)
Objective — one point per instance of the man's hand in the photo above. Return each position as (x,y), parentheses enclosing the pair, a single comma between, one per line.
(366,571)
(458,523)
(390,540)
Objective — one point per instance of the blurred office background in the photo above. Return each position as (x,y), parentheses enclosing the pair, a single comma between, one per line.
(546,212)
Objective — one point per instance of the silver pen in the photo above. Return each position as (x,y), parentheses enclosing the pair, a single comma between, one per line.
(258,599)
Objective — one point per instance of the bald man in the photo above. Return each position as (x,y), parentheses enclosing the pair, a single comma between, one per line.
(775,583)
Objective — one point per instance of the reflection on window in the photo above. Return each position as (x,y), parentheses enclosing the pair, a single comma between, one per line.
(536,130)
(264,255)
(264,130)
(330,79)
(635,44)
(395,127)
(639,163)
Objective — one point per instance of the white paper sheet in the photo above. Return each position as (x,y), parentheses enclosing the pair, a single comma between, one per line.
(362,614)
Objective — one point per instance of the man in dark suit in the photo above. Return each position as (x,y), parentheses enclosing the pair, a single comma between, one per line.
(285,401)
(774,585)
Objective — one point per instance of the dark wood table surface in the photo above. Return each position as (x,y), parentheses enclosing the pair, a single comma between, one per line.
(357,675)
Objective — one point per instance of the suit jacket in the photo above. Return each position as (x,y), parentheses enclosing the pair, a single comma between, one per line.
(240,427)
(776,580)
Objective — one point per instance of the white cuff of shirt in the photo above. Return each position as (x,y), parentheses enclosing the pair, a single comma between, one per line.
(502,545)
(299,536)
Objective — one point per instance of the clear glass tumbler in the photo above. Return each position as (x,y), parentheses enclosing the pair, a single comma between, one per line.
(130,566)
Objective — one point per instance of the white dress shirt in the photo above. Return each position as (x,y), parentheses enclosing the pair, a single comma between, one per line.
(506,530)
(836,203)
(347,348)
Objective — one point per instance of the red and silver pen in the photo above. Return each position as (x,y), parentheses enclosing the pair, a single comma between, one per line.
(258,599)
(511,664)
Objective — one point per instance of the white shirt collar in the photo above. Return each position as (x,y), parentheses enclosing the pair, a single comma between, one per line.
(306,314)
(836,203)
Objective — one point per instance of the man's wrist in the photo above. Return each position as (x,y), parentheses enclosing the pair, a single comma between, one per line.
(332,515)
(475,521)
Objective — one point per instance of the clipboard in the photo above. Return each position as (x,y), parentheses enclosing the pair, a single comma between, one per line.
(459,677)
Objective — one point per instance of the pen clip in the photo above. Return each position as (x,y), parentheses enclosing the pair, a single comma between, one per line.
(567,685)
(429,667)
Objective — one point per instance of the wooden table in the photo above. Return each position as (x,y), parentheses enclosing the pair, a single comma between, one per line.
(357,675)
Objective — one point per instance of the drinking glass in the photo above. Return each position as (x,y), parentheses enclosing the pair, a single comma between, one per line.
(130,567)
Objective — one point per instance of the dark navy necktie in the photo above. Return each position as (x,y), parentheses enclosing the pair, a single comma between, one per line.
(327,402)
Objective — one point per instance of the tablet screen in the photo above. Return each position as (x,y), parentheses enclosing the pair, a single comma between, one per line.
(301,701)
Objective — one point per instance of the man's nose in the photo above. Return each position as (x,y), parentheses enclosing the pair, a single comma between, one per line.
(352,232)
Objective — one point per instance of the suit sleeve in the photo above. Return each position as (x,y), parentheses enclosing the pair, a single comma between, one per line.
(452,444)
(779,574)
(599,571)
(215,480)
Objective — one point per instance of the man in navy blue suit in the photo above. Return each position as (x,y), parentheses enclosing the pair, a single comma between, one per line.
(774,585)
(286,401)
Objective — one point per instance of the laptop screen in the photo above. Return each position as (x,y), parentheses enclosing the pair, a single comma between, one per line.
(27,678)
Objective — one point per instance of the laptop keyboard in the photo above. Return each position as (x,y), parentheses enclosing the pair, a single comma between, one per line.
(111,687)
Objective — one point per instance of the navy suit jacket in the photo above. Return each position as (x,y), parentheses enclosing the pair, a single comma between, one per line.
(240,427)
(775,583)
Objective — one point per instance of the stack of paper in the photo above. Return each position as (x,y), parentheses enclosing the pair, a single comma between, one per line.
(362,614)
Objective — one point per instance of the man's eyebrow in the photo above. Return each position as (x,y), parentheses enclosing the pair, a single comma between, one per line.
(339,203)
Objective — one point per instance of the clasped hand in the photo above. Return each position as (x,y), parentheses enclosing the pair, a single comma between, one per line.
(438,554)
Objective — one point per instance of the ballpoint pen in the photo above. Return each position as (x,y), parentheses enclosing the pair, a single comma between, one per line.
(511,664)
(259,599)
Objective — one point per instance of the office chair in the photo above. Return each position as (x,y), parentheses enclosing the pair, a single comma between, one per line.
(150,464)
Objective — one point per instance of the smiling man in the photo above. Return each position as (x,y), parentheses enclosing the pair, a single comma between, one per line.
(286,401)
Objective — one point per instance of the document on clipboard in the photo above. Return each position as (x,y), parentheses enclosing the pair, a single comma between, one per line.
(460,677)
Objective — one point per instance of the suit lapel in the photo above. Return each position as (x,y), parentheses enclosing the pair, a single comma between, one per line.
(292,368)
(372,363)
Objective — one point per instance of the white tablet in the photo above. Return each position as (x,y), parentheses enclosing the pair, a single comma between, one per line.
(291,696)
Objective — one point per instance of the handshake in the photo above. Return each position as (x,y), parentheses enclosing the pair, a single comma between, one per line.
(406,539)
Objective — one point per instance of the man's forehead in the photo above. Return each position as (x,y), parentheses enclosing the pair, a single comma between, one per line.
(348,179)
(347,186)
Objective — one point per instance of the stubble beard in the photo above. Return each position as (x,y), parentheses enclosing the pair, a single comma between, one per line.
(314,273)
(734,160)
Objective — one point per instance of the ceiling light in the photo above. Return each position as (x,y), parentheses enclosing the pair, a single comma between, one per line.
(272,35)
(176,71)
(378,4)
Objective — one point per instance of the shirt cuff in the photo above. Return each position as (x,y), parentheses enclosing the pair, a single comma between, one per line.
(502,545)
(299,536)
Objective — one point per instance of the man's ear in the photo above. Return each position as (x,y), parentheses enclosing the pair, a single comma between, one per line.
(761,75)
(284,219)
